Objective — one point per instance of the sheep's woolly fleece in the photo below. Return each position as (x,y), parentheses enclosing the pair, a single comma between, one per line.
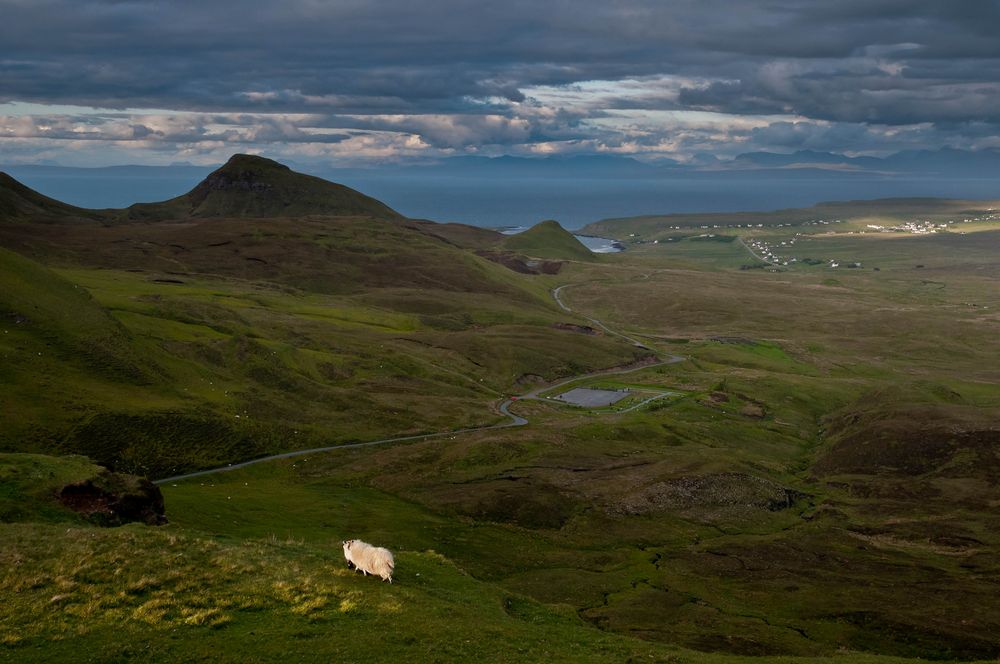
(370,559)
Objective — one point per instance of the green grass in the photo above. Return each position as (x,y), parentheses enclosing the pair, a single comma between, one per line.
(63,316)
(548,239)
(824,487)
(29,484)
(251,562)
(142,595)
(160,596)
(250,368)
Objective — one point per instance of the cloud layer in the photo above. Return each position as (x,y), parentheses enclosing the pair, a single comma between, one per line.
(358,80)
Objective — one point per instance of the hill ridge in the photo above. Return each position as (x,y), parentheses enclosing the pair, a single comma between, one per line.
(19,201)
(254,186)
(246,186)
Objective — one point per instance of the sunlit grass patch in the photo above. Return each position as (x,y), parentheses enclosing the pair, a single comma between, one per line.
(128,575)
(211,617)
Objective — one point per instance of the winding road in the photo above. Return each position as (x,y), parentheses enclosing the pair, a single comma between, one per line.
(634,342)
(504,408)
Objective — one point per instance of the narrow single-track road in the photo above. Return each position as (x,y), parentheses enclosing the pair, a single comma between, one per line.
(504,408)
(558,299)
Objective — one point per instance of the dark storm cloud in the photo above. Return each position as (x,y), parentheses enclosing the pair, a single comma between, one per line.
(850,98)
(879,62)
(409,55)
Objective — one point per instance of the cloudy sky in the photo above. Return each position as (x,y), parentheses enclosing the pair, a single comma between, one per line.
(355,82)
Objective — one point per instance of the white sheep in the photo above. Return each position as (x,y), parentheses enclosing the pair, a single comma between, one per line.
(369,559)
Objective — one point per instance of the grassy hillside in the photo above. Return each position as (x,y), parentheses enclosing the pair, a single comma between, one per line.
(178,597)
(548,239)
(235,369)
(29,484)
(819,481)
(37,303)
(171,346)
(173,594)
(246,186)
(167,346)
(59,348)
(272,587)
(18,202)
(251,186)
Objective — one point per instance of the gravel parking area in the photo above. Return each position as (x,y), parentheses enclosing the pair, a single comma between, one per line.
(588,398)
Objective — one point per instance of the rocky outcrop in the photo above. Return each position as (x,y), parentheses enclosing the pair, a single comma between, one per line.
(520,264)
(242,181)
(113,499)
(573,327)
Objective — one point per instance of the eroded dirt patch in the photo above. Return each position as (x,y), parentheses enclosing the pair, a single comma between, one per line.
(721,492)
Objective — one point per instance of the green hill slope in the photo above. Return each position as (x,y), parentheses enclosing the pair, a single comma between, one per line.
(177,593)
(155,348)
(818,481)
(178,598)
(245,186)
(251,186)
(58,315)
(29,484)
(233,368)
(548,240)
(18,203)
(198,588)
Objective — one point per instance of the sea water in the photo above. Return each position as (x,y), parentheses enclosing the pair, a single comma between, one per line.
(511,202)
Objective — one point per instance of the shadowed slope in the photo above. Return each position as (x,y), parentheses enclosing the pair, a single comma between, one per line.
(64,318)
(250,186)
(18,202)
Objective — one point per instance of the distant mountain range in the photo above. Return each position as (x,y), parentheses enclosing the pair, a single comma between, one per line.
(946,162)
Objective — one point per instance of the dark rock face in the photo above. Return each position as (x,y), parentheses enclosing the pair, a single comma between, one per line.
(572,327)
(245,181)
(520,264)
(111,499)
